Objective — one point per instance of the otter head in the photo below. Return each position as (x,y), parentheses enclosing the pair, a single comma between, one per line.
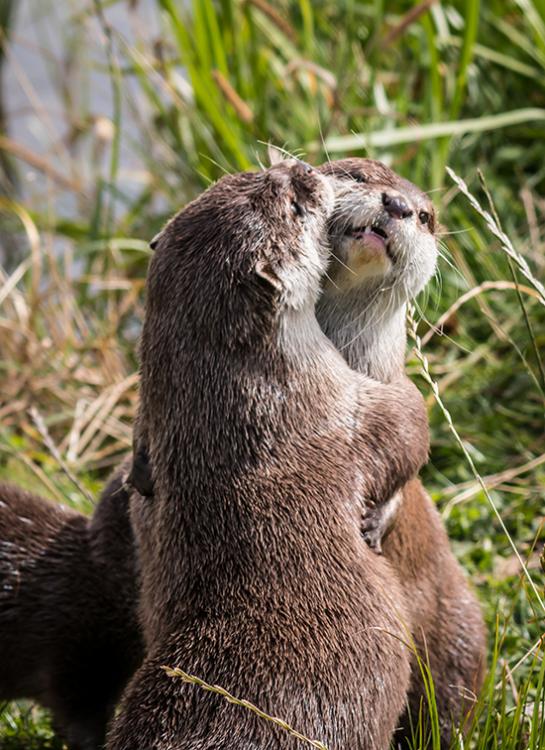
(383,247)
(226,266)
(382,232)
(288,233)
(227,273)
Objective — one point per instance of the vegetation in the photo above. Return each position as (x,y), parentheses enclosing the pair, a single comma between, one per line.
(198,88)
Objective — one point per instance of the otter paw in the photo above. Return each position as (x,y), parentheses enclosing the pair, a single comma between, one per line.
(372,532)
(378,520)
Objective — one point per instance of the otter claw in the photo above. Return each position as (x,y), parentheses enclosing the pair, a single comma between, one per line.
(372,535)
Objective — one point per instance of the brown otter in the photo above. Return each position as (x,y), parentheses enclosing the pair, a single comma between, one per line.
(382,233)
(68,631)
(384,250)
(263,444)
(446,615)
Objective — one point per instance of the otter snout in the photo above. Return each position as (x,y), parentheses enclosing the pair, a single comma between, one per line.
(396,206)
(305,168)
(310,187)
(381,231)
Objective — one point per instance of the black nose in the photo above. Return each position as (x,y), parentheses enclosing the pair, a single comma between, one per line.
(304,167)
(396,206)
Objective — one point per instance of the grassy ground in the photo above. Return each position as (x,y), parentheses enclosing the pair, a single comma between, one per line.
(419,85)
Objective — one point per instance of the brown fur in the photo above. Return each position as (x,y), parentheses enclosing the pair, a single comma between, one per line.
(68,635)
(447,621)
(448,627)
(262,441)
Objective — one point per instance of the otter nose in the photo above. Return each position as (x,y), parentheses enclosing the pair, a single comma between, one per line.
(304,167)
(396,206)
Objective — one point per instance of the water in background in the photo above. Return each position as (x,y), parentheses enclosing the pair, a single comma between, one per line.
(57,98)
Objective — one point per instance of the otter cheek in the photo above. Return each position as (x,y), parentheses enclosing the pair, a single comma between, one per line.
(418,258)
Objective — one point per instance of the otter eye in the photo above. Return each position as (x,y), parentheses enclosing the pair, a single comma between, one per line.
(424,217)
(297,209)
(358,177)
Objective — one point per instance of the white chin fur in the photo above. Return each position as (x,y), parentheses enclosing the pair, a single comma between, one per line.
(405,269)
(362,307)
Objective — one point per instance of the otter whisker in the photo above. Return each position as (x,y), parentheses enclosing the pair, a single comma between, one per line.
(449,262)
(439,277)
(218,165)
(373,320)
(328,277)
(435,190)
(323,141)
(258,159)
(439,331)
(288,154)
(342,263)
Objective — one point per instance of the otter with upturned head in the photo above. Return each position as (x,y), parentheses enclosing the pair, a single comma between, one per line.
(264,444)
(384,248)
(359,315)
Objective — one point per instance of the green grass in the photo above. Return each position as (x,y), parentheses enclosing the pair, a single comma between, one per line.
(23,725)
(463,85)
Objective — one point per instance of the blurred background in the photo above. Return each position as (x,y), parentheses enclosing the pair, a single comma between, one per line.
(114,113)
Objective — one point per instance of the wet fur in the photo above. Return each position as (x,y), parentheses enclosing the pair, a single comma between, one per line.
(68,632)
(263,444)
(448,626)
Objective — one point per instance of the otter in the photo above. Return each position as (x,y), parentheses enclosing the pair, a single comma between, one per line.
(69,636)
(383,253)
(264,444)
(382,234)
(369,329)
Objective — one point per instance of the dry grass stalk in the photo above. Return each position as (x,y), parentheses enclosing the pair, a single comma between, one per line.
(39,163)
(506,243)
(192,680)
(235,100)
(48,440)
(408,19)
(425,371)
(470,489)
(486,286)
(279,21)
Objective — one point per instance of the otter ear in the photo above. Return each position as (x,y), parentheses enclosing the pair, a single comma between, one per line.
(276,156)
(265,271)
(155,241)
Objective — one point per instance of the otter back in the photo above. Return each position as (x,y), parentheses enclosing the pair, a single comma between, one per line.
(68,638)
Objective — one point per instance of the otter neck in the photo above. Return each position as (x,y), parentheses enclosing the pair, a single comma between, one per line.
(372,342)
